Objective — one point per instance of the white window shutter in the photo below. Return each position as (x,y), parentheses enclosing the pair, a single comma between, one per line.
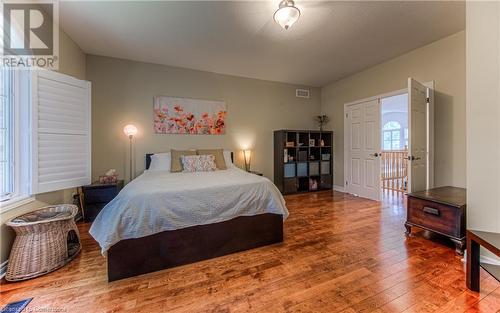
(61,131)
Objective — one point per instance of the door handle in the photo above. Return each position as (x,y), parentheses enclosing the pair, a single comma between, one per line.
(413,158)
(375,155)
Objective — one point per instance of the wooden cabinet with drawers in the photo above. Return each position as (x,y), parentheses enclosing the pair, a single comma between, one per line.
(441,210)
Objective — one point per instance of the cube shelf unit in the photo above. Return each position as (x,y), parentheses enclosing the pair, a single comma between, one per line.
(301,165)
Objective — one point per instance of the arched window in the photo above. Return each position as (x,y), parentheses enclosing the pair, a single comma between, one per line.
(391,136)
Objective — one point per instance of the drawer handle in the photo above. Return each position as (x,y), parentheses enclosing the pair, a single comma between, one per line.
(432,211)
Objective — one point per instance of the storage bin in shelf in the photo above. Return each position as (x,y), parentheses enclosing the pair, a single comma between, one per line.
(290,170)
(302,169)
(313,168)
(302,155)
(325,167)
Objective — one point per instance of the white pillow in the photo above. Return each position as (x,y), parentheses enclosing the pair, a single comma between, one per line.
(227,159)
(160,162)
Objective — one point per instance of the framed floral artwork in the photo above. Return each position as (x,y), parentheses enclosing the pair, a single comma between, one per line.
(189,116)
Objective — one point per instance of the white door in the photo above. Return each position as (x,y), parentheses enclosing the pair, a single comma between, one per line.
(354,175)
(363,135)
(418,136)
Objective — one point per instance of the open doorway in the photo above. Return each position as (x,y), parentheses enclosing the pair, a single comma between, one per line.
(394,144)
(388,142)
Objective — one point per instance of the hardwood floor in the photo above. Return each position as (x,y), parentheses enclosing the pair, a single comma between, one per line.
(341,254)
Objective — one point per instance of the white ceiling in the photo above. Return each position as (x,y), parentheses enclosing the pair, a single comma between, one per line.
(331,39)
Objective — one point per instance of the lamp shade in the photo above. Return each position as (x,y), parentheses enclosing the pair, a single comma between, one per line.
(287,14)
(247,155)
(130,130)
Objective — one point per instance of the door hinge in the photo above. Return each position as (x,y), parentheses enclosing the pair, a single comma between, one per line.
(427,99)
(346,115)
(346,183)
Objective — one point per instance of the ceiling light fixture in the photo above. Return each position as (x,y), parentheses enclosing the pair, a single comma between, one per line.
(287,14)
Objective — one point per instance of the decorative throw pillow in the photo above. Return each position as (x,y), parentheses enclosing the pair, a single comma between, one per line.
(176,165)
(198,163)
(219,157)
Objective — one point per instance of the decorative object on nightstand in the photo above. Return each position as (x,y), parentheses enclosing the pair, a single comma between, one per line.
(110,177)
(130,130)
(441,210)
(96,196)
(46,239)
(247,155)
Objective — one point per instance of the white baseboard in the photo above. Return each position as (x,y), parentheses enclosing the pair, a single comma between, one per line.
(3,269)
(489,260)
(338,188)
(483,259)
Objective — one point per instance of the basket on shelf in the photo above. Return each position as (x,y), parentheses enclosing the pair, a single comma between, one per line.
(46,239)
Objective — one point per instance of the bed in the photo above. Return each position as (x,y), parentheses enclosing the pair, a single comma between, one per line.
(162,219)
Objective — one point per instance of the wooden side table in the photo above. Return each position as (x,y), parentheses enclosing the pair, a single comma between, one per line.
(490,241)
(441,210)
(96,196)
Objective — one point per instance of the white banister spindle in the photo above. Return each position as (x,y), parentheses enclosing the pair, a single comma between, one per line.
(394,171)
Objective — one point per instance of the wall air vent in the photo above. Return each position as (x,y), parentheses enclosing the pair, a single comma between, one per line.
(302,93)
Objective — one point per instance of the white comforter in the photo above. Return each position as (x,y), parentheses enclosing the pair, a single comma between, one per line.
(158,201)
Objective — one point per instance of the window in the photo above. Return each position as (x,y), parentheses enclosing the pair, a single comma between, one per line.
(14,140)
(406,138)
(6,135)
(391,136)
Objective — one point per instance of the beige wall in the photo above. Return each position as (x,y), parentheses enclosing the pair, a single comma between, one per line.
(123,91)
(72,59)
(71,62)
(442,61)
(483,116)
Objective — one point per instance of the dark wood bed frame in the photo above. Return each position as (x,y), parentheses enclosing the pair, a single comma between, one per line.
(132,257)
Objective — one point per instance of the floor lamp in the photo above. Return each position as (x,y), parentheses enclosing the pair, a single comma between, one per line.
(130,130)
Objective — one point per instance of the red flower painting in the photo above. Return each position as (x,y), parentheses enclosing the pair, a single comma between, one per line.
(189,116)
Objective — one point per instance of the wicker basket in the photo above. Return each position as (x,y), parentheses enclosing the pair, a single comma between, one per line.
(46,240)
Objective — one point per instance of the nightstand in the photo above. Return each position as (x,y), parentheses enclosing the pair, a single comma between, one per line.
(96,196)
(256,173)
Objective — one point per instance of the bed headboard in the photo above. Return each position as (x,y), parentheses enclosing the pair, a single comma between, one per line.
(148,159)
